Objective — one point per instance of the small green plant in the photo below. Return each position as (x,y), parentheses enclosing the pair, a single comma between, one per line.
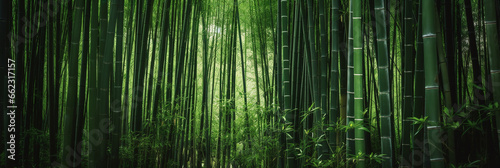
(353,125)
(467,165)
(420,122)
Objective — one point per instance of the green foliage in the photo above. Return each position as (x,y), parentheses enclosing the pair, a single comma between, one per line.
(420,122)
(236,83)
(466,165)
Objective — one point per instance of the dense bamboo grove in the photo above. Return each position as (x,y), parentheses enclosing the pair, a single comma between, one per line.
(236,83)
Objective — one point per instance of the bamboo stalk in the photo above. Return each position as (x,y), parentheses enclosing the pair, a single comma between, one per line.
(431,82)
(490,22)
(384,85)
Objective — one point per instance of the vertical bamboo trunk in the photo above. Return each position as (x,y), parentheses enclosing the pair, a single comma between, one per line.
(334,76)
(247,122)
(204,106)
(476,66)
(92,90)
(71,157)
(52,105)
(278,77)
(450,48)
(350,137)
(431,82)
(181,59)
(297,80)
(316,86)
(38,79)
(286,79)
(102,86)
(169,87)
(418,112)
(323,82)
(490,22)
(105,74)
(220,138)
(83,96)
(127,69)
(443,67)
(160,85)
(137,85)
(343,38)
(359,134)
(117,108)
(384,84)
(256,68)
(150,86)
(407,112)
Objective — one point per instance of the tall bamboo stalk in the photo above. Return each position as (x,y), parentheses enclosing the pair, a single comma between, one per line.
(384,84)
(286,78)
(71,157)
(334,112)
(323,82)
(105,75)
(350,146)
(431,82)
(92,88)
(408,51)
(117,108)
(359,134)
(490,22)
(418,135)
(443,67)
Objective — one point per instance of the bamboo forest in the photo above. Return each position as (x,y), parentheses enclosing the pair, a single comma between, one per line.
(250,83)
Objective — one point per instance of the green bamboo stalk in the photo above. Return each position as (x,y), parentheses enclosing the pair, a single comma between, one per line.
(308,123)
(418,112)
(206,71)
(92,90)
(52,92)
(127,69)
(243,74)
(82,107)
(150,87)
(408,51)
(323,82)
(117,114)
(138,78)
(443,67)
(172,136)
(315,77)
(343,38)
(286,80)
(350,146)
(222,76)
(384,85)
(70,156)
(104,82)
(474,55)
(359,134)
(493,51)
(298,80)
(334,75)
(432,96)
(160,85)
